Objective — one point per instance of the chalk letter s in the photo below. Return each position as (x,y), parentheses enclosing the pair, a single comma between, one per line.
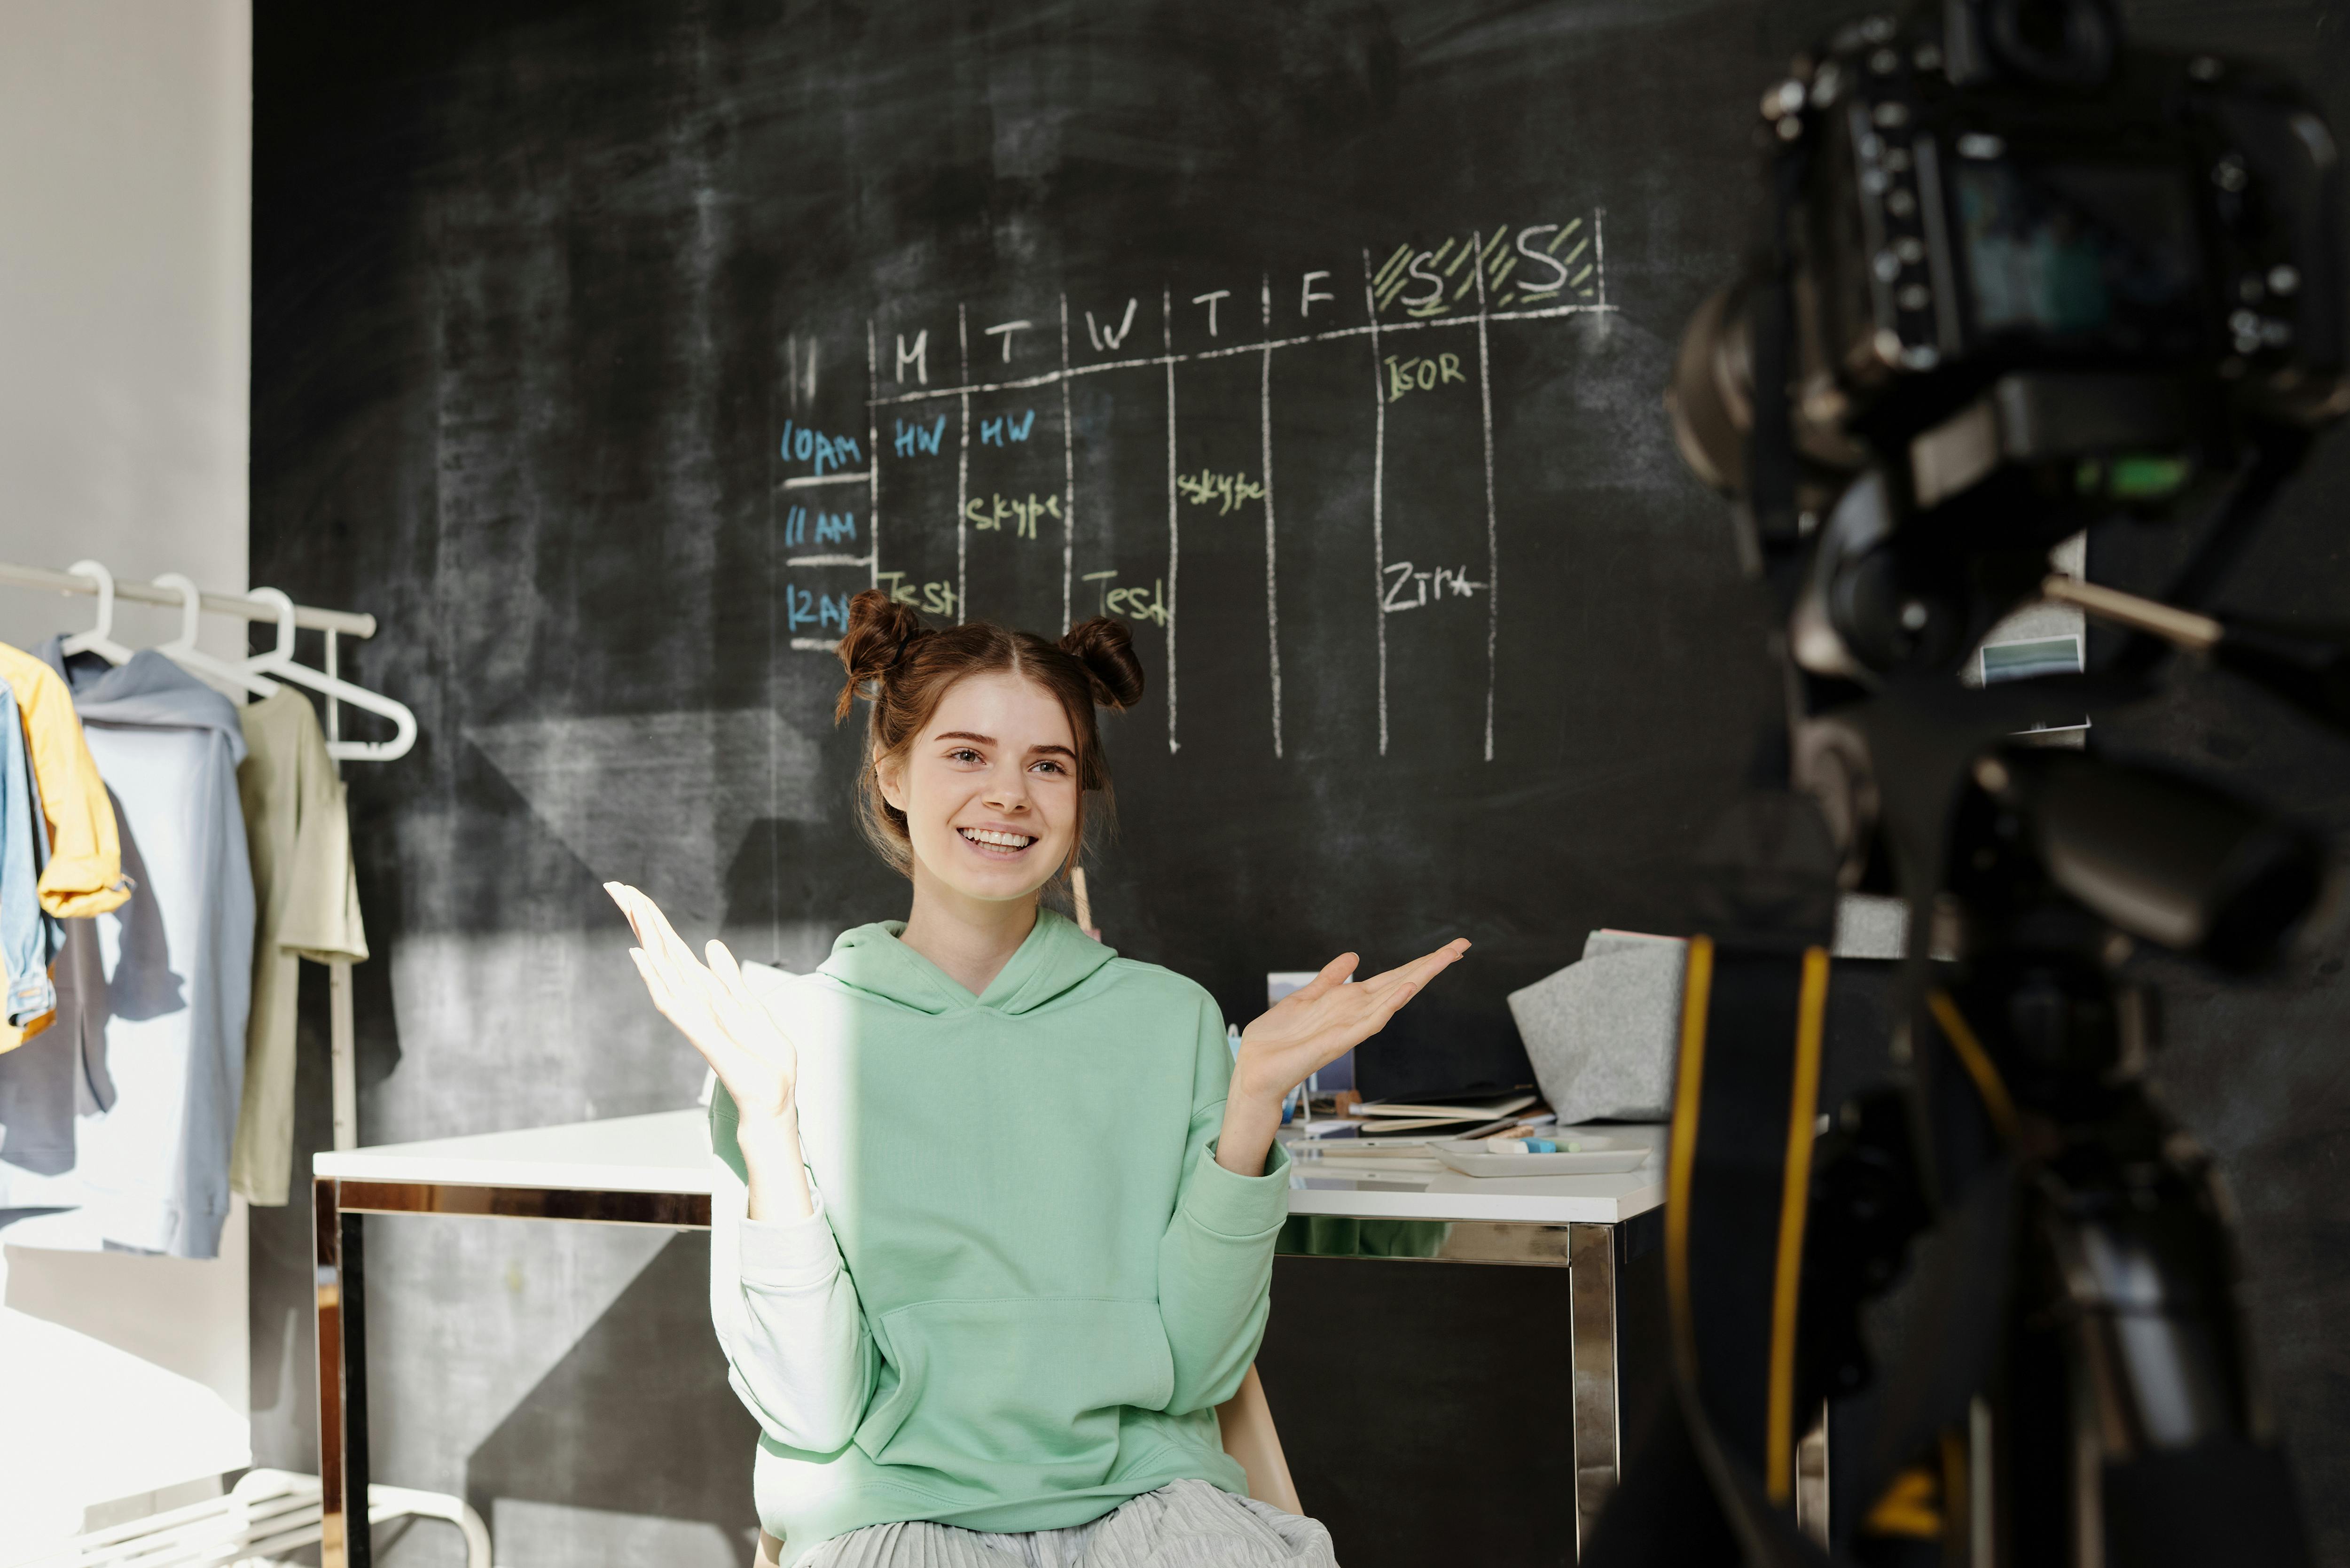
(1417,271)
(1526,248)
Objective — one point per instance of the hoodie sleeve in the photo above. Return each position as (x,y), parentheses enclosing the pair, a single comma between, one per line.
(1215,1260)
(798,1353)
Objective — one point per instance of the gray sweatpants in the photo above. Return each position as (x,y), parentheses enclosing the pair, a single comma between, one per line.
(1183,1524)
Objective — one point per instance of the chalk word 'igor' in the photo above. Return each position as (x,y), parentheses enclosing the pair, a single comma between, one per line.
(1421,375)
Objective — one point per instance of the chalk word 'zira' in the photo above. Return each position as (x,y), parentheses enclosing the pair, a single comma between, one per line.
(930,599)
(1231,489)
(1418,374)
(802,445)
(993,511)
(1409,590)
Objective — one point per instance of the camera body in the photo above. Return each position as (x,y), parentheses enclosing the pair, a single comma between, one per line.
(2031,275)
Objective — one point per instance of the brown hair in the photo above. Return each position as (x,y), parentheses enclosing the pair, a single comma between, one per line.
(904,667)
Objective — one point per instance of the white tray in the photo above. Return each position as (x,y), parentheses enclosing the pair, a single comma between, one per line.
(1594,1155)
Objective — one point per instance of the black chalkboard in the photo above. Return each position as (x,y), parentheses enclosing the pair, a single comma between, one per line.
(603,348)
(1323,344)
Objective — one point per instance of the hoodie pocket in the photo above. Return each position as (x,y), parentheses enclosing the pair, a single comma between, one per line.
(1035,1385)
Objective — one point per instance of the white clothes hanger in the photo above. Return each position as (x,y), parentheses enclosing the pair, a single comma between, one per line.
(182,651)
(279,662)
(99,639)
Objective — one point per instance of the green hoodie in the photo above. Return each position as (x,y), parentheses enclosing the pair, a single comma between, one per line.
(1042,1283)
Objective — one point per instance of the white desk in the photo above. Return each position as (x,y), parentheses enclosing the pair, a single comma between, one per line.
(655,1170)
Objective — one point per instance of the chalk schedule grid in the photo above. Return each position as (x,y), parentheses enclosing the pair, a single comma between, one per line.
(1000,456)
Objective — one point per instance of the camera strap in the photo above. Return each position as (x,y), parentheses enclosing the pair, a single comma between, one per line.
(1738,1195)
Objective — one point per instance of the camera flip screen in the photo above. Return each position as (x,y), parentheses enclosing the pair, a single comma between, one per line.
(2081,257)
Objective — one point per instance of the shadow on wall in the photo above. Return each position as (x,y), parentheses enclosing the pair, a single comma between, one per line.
(633,1448)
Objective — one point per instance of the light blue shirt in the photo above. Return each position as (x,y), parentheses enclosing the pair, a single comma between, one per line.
(151,1169)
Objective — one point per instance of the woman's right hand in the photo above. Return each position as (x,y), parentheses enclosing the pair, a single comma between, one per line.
(713,1008)
(757,1060)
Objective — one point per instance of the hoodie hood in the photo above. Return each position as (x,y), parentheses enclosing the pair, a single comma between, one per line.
(149,691)
(1056,960)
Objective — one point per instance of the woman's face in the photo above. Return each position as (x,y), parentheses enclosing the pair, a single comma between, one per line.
(990,788)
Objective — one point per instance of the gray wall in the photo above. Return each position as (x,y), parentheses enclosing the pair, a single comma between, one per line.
(125,315)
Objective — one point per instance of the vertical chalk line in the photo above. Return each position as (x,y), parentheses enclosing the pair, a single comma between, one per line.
(1600,251)
(1265,460)
(872,454)
(1493,535)
(1378,498)
(1174,536)
(962,471)
(1069,476)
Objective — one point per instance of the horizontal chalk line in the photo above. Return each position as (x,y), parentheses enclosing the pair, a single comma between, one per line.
(803,481)
(1334,335)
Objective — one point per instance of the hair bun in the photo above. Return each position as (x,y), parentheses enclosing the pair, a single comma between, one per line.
(879,631)
(1103,646)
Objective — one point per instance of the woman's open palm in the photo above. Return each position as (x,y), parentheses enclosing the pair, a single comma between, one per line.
(1321,1020)
(713,1008)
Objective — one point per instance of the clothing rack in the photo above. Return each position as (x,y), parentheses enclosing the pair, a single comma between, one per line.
(348,623)
(336,624)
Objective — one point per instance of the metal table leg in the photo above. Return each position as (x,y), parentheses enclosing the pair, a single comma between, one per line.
(1592,1303)
(342,1379)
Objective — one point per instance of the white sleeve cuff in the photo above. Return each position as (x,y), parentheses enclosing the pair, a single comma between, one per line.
(789,1255)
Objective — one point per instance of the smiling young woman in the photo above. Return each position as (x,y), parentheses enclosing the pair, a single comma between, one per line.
(992,1233)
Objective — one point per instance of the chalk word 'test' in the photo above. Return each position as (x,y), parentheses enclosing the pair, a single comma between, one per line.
(1231,489)
(1409,590)
(1136,603)
(930,599)
(802,445)
(991,513)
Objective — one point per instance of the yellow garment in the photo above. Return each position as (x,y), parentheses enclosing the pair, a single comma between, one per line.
(83,875)
(85,871)
(297,832)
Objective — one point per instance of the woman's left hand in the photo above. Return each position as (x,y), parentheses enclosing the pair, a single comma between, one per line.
(1321,1020)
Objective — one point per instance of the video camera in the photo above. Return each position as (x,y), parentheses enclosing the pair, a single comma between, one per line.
(2029,276)
(2021,278)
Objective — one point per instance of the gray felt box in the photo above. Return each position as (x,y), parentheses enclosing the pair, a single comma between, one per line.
(1602,1032)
